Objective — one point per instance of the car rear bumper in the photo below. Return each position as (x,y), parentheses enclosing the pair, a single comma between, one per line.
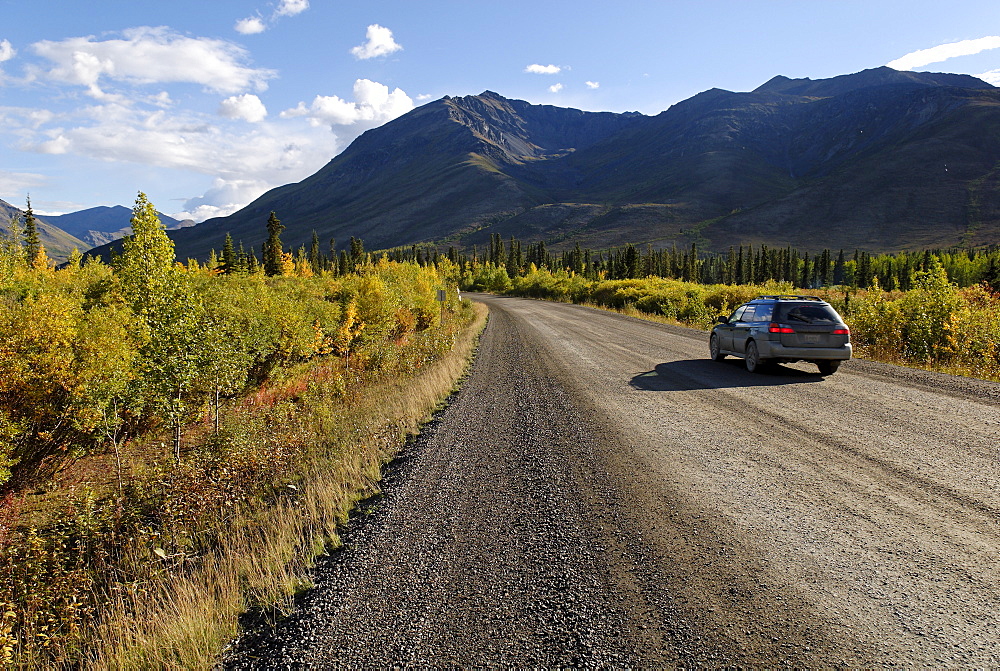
(775,350)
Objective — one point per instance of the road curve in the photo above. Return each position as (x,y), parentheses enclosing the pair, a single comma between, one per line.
(600,493)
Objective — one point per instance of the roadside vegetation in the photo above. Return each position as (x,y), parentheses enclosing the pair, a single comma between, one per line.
(179,441)
(933,310)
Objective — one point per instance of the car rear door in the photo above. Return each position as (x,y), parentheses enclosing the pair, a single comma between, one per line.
(725,331)
(741,329)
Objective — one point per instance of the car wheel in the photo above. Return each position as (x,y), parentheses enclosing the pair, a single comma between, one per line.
(713,348)
(754,363)
(827,367)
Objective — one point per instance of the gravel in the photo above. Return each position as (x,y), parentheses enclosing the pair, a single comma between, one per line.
(601,494)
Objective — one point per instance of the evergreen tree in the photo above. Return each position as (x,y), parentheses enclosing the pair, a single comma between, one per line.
(228,256)
(315,256)
(838,268)
(242,262)
(763,266)
(357,251)
(272,247)
(253,264)
(824,270)
(32,242)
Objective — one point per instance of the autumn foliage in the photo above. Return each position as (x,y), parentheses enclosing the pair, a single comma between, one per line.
(129,365)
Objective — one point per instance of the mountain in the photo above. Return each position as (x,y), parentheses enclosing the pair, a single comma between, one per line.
(101,225)
(57,242)
(879,160)
(84,229)
(443,170)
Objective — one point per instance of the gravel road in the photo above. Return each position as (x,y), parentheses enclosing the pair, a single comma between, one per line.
(600,493)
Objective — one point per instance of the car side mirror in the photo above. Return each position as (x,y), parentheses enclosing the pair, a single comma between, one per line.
(722,319)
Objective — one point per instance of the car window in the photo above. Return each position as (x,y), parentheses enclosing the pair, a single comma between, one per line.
(763,312)
(735,317)
(808,314)
(748,314)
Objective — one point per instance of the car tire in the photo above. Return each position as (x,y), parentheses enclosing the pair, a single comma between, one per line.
(827,367)
(713,348)
(753,361)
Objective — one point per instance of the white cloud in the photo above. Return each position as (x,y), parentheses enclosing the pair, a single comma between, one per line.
(379,43)
(151,55)
(991,77)
(7,51)
(14,183)
(593,85)
(161,99)
(223,198)
(537,69)
(252,25)
(59,144)
(556,88)
(374,105)
(247,107)
(291,7)
(253,159)
(943,52)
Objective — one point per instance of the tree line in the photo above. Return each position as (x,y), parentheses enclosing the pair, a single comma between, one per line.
(741,265)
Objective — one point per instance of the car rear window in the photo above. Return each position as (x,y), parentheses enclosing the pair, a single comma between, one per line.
(807,313)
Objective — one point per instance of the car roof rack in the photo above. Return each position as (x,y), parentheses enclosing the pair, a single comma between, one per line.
(778,297)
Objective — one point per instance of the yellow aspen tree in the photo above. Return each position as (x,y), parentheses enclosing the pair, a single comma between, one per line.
(41,260)
(287,264)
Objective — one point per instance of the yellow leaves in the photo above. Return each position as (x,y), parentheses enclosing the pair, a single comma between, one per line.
(41,260)
(322,343)
(287,264)
(8,640)
(350,328)
(303,268)
(35,359)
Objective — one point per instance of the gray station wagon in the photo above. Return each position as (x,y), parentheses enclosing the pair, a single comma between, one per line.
(783,329)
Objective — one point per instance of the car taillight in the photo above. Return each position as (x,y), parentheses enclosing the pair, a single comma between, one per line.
(775,327)
(841,331)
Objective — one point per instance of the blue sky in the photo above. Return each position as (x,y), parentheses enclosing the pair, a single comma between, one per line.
(205,105)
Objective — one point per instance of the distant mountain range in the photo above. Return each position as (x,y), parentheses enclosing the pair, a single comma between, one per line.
(84,229)
(879,160)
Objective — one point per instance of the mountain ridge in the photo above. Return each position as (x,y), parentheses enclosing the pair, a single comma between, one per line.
(792,162)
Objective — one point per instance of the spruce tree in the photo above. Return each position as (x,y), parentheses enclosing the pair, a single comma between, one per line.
(242,261)
(357,251)
(228,256)
(31,240)
(315,256)
(272,247)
